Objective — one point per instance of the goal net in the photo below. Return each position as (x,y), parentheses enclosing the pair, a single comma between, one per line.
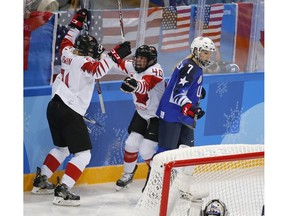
(232,173)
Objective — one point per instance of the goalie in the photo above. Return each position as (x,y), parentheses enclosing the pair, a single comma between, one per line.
(215,208)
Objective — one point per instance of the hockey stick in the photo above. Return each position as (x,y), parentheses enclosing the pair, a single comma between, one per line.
(196,115)
(197,105)
(98,87)
(121,20)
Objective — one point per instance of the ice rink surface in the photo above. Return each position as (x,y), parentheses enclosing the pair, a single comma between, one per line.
(96,200)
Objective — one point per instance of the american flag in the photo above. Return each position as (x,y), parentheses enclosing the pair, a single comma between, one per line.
(213,22)
(105,27)
(64,19)
(176,28)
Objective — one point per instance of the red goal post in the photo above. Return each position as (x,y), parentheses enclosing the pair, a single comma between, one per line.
(210,165)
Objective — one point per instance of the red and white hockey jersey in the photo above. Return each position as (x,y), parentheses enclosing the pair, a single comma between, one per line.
(151,86)
(75,84)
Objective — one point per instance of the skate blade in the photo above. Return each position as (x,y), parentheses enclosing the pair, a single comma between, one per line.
(40,191)
(118,188)
(62,202)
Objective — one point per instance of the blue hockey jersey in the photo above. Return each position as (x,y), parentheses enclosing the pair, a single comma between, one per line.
(184,86)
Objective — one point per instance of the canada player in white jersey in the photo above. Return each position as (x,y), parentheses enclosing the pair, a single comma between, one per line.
(81,65)
(146,84)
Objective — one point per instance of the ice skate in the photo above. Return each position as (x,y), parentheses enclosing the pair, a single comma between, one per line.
(63,196)
(41,185)
(125,180)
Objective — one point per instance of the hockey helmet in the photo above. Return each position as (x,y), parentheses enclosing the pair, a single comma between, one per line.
(88,45)
(42,5)
(215,208)
(149,52)
(200,44)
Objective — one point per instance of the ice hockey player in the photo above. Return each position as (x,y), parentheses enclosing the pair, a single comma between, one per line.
(146,84)
(179,109)
(71,95)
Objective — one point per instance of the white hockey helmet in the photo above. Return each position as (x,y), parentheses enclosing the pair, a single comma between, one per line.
(42,5)
(203,43)
(215,208)
(48,5)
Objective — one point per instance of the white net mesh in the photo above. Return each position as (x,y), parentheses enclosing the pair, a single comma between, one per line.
(239,184)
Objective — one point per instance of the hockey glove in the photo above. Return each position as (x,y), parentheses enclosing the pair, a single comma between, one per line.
(120,51)
(129,85)
(203,93)
(189,110)
(79,18)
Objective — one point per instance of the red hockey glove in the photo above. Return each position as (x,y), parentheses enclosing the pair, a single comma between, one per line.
(79,18)
(120,51)
(189,110)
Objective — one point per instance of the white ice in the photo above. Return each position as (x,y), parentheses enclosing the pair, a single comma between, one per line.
(96,199)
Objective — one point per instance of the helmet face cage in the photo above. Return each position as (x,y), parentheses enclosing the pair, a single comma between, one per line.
(87,44)
(215,208)
(200,44)
(149,52)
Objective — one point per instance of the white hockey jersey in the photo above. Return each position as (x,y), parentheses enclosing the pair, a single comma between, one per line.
(151,86)
(76,81)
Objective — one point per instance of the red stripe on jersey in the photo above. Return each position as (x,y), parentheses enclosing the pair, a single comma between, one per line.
(104,60)
(147,83)
(73,171)
(122,66)
(100,67)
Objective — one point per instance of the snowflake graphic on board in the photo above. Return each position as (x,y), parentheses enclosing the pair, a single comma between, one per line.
(116,153)
(96,125)
(234,120)
(221,88)
(27,125)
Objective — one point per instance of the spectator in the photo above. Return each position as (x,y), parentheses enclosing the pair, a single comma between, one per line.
(220,66)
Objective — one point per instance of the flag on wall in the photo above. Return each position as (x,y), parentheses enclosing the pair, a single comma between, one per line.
(38,38)
(176,28)
(64,19)
(105,27)
(163,3)
(213,22)
(244,12)
(34,21)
